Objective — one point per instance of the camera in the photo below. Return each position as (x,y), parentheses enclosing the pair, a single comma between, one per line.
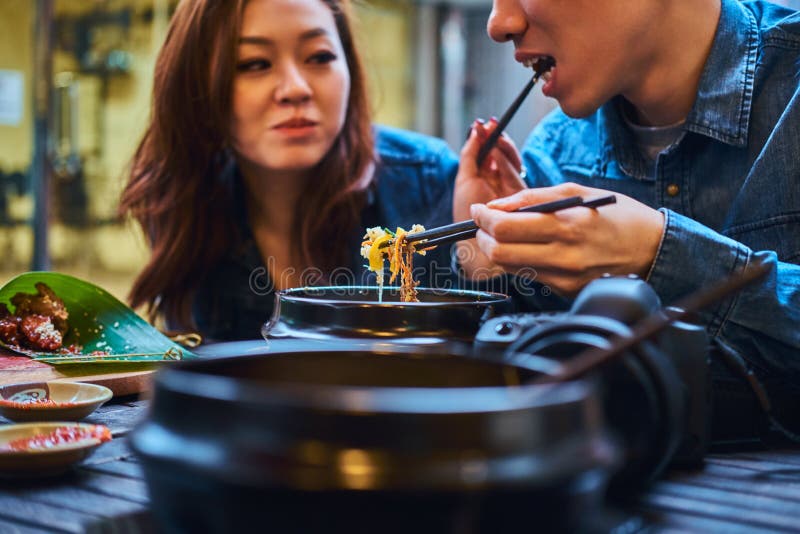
(656,397)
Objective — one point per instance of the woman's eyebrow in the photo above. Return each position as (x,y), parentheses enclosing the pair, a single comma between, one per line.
(306,35)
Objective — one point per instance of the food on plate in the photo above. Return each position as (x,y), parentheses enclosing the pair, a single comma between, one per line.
(60,436)
(30,403)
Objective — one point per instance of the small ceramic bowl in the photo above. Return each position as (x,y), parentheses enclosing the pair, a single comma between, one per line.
(58,456)
(51,401)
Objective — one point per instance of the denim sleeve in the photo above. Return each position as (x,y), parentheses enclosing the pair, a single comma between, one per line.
(760,322)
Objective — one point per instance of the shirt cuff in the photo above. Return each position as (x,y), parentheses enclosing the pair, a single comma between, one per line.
(691,257)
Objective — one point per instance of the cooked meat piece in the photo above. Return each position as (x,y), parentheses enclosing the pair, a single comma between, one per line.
(40,333)
(45,302)
(9,330)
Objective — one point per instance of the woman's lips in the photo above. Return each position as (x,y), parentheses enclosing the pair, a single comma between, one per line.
(298,122)
(296,127)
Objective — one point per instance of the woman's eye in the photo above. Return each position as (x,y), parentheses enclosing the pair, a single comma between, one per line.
(323,57)
(253,65)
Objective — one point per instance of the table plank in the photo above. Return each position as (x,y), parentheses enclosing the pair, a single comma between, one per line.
(121,468)
(8,527)
(116,449)
(683,524)
(734,478)
(47,516)
(687,506)
(114,486)
(119,420)
(787,456)
(81,500)
(744,498)
(765,468)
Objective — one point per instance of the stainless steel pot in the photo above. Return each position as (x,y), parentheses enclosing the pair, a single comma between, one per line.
(354,312)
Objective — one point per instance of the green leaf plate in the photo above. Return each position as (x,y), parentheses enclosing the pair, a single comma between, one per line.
(98,321)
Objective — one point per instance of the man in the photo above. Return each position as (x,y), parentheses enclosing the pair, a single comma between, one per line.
(690,111)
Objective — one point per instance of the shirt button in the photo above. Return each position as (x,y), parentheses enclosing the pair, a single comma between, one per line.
(673,190)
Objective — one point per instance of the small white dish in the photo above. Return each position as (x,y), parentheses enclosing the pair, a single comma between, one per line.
(51,401)
(52,456)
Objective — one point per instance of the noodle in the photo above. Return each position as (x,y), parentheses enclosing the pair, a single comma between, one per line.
(401,258)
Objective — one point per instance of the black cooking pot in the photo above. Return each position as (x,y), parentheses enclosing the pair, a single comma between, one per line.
(354,312)
(392,439)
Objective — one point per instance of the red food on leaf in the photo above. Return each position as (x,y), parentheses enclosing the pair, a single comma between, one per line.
(9,330)
(40,333)
(44,302)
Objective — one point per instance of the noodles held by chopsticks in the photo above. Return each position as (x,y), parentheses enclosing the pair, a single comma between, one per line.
(400,254)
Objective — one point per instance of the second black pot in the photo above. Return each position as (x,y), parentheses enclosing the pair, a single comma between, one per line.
(391,439)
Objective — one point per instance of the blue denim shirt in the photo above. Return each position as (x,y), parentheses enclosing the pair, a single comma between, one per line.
(413,184)
(737,172)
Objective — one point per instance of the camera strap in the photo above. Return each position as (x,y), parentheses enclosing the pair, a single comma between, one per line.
(735,363)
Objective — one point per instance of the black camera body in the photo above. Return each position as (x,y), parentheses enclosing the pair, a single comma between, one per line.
(656,397)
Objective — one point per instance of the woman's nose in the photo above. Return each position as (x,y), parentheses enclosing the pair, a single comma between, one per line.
(293,87)
(506,21)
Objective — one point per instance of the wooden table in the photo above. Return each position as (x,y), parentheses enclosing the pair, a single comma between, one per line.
(106,493)
(756,491)
(744,492)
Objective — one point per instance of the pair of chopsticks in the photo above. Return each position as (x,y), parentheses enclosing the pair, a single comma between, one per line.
(539,67)
(467,229)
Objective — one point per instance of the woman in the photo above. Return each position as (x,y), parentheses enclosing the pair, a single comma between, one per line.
(688,110)
(260,169)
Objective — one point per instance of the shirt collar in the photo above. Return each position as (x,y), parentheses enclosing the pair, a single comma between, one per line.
(725,93)
(724,97)
(619,143)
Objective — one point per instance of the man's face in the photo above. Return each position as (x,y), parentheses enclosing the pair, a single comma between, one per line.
(601,47)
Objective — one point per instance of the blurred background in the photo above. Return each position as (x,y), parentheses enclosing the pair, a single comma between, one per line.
(75,80)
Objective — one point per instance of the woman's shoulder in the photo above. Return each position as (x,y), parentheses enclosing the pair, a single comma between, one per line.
(415,176)
(396,145)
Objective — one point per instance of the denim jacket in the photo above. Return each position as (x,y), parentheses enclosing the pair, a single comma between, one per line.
(729,187)
(413,184)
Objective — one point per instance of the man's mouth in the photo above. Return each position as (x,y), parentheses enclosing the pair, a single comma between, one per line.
(541,64)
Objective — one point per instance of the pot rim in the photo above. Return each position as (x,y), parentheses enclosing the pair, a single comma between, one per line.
(481,297)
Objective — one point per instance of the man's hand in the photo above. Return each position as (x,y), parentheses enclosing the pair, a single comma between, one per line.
(498,176)
(571,247)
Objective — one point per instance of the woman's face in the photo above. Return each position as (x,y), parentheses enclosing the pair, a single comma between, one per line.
(291,87)
(602,48)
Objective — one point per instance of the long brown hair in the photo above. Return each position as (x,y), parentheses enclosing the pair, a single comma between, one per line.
(175,189)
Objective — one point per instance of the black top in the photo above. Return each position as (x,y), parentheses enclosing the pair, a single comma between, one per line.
(414,184)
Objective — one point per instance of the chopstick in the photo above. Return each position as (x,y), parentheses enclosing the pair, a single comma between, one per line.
(540,67)
(140,357)
(467,229)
